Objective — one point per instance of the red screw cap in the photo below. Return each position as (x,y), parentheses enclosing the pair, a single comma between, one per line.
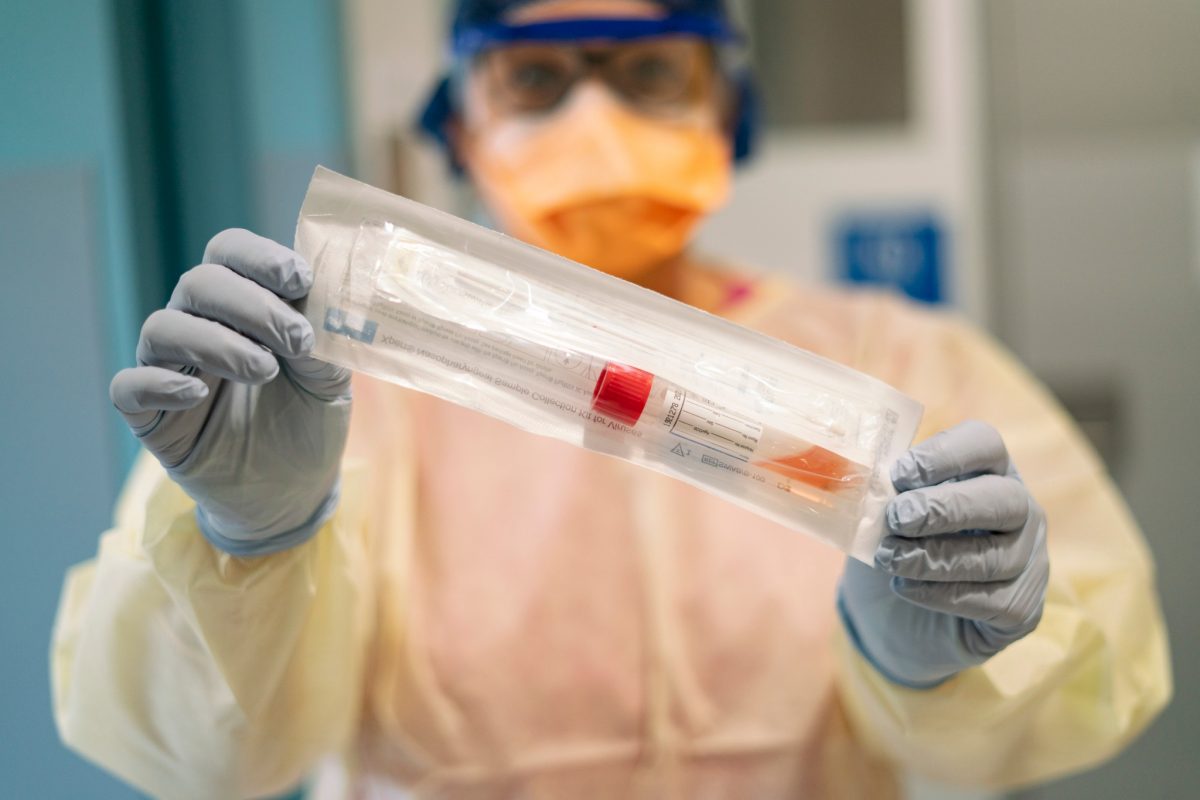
(621,392)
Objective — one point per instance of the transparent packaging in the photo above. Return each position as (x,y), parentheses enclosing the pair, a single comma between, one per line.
(424,299)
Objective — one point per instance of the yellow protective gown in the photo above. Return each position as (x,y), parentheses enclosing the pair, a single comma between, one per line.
(491,614)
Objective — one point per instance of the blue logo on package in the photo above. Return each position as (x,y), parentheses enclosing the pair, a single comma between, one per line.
(348,323)
(901,250)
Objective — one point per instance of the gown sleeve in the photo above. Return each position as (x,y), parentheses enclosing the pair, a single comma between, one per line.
(191,673)
(1096,671)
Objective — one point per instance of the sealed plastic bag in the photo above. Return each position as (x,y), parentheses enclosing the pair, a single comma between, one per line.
(424,299)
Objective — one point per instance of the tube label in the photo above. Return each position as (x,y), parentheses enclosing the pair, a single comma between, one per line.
(706,423)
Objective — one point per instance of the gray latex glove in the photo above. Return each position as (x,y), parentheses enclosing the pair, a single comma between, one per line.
(227,397)
(963,571)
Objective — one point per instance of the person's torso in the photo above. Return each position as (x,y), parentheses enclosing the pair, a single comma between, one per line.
(557,623)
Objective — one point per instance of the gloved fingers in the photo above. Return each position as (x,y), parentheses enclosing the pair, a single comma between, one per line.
(971,448)
(267,263)
(140,393)
(321,379)
(1004,605)
(967,599)
(216,293)
(173,338)
(985,502)
(976,556)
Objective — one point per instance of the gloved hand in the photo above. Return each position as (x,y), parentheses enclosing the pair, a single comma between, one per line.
(227,397)
(963,571)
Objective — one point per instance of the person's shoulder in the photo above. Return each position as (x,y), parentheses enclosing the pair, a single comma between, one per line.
(792,293)
(789,307)
(869,328)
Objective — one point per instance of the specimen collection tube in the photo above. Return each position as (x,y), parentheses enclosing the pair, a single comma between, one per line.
(432,302)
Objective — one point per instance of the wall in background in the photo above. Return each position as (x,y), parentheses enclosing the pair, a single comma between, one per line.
(67,321)
(132,131)
(903,150)
(1095,133)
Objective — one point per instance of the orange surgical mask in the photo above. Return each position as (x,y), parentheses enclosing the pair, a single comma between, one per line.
(599,183)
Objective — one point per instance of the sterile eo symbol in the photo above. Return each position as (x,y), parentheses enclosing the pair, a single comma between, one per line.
(572,362)
(434,282)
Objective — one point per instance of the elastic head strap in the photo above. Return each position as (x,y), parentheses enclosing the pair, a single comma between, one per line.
(469,41)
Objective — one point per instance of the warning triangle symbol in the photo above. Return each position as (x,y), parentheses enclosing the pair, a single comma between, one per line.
(678,450)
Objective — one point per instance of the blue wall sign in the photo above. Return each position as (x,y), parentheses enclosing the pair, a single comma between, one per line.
(903,250)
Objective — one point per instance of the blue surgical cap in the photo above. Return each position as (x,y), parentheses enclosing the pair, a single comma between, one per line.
(479,24)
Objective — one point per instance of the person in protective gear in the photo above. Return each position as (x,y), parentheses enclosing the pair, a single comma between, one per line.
(452,608)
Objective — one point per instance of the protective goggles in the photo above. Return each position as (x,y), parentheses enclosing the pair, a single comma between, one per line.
(658,74)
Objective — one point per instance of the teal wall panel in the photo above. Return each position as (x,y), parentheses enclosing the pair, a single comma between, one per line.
(67,317)
(130,132)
